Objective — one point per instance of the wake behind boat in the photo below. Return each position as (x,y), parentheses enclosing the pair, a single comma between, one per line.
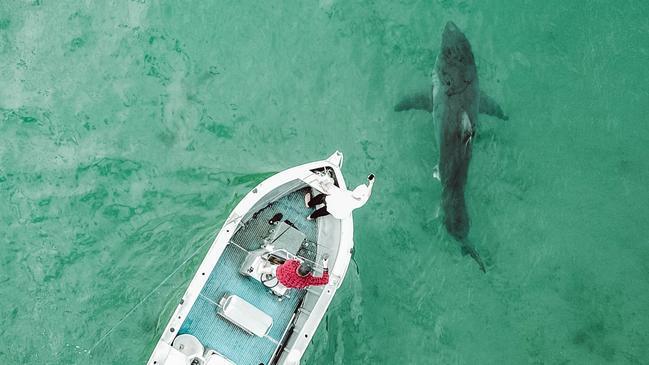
(233,312)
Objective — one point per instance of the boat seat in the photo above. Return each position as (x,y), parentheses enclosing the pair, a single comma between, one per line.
(255,263)
(188,345)
(245,315)
(214,358)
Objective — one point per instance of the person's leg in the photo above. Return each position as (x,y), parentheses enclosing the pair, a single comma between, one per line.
(318,213)
(316,200)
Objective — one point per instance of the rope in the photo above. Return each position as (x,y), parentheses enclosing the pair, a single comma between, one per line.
(238,246)
(102,338)
(209,300)
(271,340)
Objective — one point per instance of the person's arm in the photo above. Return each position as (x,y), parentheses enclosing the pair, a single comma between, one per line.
(370,184)
(324,279)
(362,193)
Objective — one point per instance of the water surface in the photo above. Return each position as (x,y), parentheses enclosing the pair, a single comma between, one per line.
(130,129)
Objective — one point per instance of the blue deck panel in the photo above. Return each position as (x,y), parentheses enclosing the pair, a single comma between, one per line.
(219,334)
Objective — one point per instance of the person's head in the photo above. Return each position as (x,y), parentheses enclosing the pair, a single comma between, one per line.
(304,269)
(370,177)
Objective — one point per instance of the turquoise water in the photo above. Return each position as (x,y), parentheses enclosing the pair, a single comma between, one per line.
(129,129)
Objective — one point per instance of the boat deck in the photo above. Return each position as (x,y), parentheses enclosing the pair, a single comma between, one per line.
(219,334)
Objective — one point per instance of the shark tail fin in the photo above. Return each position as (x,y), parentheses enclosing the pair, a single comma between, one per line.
(420,101)
(467,249)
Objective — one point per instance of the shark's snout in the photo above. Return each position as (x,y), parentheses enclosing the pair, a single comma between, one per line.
(454,42)
(452,35)
(450,27)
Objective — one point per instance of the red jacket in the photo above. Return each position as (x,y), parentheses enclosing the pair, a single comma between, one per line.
(288,276)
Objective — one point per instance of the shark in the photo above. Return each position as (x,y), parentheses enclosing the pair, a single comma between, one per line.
(455,100)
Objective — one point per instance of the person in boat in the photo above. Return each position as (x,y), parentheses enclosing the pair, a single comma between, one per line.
(338,202)
(298,275)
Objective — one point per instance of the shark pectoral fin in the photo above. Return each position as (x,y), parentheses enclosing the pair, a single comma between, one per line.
(490,107)
(420,101)
(436,173)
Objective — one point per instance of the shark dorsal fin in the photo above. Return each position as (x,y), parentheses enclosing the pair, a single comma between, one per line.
(466,122)
(467,128)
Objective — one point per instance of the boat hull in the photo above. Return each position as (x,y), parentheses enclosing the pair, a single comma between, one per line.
(298,316)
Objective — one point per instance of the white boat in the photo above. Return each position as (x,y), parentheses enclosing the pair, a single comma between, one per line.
(232,314)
